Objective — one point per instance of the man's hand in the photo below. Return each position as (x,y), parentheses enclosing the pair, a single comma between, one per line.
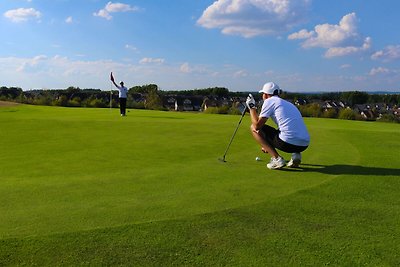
(111,77)
(250,102)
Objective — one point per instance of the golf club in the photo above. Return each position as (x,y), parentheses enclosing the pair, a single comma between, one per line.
(234,133)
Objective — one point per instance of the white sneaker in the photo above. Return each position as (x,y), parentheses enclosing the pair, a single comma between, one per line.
(295,160)
(276,163)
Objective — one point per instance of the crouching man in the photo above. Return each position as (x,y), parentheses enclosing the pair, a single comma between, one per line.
(291,136)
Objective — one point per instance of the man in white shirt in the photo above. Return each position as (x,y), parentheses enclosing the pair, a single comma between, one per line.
(291,136)
(122,95)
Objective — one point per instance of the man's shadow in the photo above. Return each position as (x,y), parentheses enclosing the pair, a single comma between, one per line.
(347,169)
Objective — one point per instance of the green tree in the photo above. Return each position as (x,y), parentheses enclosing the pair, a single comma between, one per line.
(10,93)
(329,113)
(61,101)
(355,97)
(144,89)
(347,114)
(153,101)
(310,110)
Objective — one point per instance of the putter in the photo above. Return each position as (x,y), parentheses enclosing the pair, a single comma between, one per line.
(234,133)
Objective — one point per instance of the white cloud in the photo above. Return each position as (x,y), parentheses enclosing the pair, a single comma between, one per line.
(131,47)
(114,8)
(185,68)
(303,34)
(22,14)
(327,35)
(69,20)
(250,18)
(149,60)
(340,39)
(29,64)
(196,69)
(60,72)
(379,70)
(241,74)
(348,50)
(389,53)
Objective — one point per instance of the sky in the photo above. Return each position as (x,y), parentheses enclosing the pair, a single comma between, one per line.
(302,45)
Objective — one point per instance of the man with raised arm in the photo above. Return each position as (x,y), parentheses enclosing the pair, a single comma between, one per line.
(122,95)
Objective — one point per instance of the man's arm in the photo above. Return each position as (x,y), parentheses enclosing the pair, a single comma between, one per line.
(116,85)
(112,79)
(256,122)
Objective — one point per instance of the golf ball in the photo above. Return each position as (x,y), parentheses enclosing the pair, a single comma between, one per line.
(258,158)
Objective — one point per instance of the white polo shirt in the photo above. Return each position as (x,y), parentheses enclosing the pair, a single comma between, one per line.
(122,91)
(288,119)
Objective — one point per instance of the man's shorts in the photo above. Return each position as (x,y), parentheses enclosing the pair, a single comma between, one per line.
(271,136)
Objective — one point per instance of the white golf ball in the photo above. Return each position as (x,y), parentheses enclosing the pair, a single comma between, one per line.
(258,158)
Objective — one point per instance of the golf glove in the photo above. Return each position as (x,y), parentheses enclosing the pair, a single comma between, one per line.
(250,102)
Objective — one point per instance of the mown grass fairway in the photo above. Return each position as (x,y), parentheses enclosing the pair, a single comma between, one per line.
(87,187)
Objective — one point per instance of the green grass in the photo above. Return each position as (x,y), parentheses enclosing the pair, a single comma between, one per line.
(87,187)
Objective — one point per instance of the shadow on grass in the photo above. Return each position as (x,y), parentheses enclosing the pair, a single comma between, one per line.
(346,169)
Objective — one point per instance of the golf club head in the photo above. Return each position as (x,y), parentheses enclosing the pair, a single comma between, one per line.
(222,159)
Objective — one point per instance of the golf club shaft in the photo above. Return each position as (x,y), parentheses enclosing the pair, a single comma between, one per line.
(234,133)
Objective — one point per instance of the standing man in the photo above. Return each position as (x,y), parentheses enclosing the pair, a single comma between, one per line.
(122,95)
(291,136)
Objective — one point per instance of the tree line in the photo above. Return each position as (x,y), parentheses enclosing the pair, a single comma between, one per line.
(84,97)
(350,97)
(151,97)
(145,96)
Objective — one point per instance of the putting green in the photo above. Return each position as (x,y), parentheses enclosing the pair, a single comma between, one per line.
(74,169)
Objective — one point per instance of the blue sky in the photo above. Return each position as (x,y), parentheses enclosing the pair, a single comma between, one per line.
(302,45)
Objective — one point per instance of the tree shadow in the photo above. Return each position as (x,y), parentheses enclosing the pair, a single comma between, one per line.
(337,169)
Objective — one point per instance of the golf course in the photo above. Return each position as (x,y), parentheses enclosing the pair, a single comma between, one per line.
(87,187)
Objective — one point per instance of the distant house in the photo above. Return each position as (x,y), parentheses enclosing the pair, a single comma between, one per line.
(396,111)
(171,103)
(367,114)
(368,111)
(209,102)
(187,105)
(300,102)
(182,103)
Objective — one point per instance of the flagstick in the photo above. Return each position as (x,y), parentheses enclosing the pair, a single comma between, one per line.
(110,95)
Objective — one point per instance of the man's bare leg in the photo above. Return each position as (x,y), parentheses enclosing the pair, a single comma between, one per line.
(265,146)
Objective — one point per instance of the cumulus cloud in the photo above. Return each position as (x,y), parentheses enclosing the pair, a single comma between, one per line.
(31,63)
(149,60)
(389,53)
(328,35)
(114,8)
(302,34)
(348,50)
(379,70)
(22,14)
(250,18)
(340,39)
